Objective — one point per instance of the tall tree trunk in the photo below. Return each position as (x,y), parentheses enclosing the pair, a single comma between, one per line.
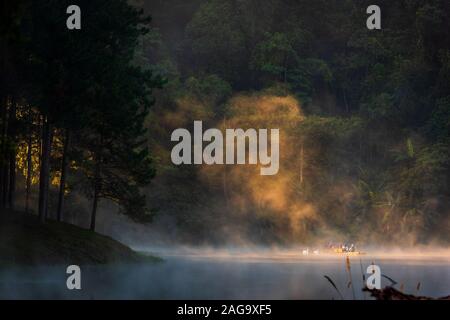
(97,187)
(5,173)
(5,183)
(225,182)
(62,182)
(12,180)
(3,151)
(347,109)
(3,106)
(302,162)
(94,211)
(45,171)
(29,172)
(29,162)
(12,155)
(48,175)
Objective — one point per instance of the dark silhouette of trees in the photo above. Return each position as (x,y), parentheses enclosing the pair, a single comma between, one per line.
(80,98)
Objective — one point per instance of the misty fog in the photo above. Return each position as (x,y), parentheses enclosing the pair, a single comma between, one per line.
(191,273)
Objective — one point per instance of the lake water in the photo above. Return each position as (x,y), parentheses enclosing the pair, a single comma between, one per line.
(230,275)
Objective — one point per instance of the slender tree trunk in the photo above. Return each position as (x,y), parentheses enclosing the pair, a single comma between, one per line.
(48,174)
(347,109)
(29,172)
(225,182)
(3,152)
(94,211)
(12,180)
(2,179)
(29,162)
(62,182)
(301,163)
(97,187)
(95,203)
(5,173)
(12,155)
(45,170)
(3,120)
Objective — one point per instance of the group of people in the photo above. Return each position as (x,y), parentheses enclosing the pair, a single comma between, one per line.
(344,247)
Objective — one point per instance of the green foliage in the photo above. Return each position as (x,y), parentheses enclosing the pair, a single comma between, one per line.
(376,103)
(216,90)
(118,163)
(438,126)
(275,55)
(216,39)
(375,125)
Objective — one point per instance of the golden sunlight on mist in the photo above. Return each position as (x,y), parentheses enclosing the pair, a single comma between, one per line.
(246,190)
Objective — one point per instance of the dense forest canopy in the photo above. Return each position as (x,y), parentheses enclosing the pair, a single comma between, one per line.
(364,116)
(364,113)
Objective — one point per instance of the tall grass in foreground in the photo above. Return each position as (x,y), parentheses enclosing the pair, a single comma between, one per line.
(388,293)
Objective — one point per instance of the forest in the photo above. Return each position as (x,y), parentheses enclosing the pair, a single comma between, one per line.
(364,118)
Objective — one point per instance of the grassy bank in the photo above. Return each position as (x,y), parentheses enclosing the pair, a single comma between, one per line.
(25,241)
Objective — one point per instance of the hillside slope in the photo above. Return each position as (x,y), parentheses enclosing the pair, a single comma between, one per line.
(25,241)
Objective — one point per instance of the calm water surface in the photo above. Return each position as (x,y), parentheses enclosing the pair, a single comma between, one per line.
(230,275)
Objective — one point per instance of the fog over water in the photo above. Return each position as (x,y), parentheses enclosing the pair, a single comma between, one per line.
(233,273)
